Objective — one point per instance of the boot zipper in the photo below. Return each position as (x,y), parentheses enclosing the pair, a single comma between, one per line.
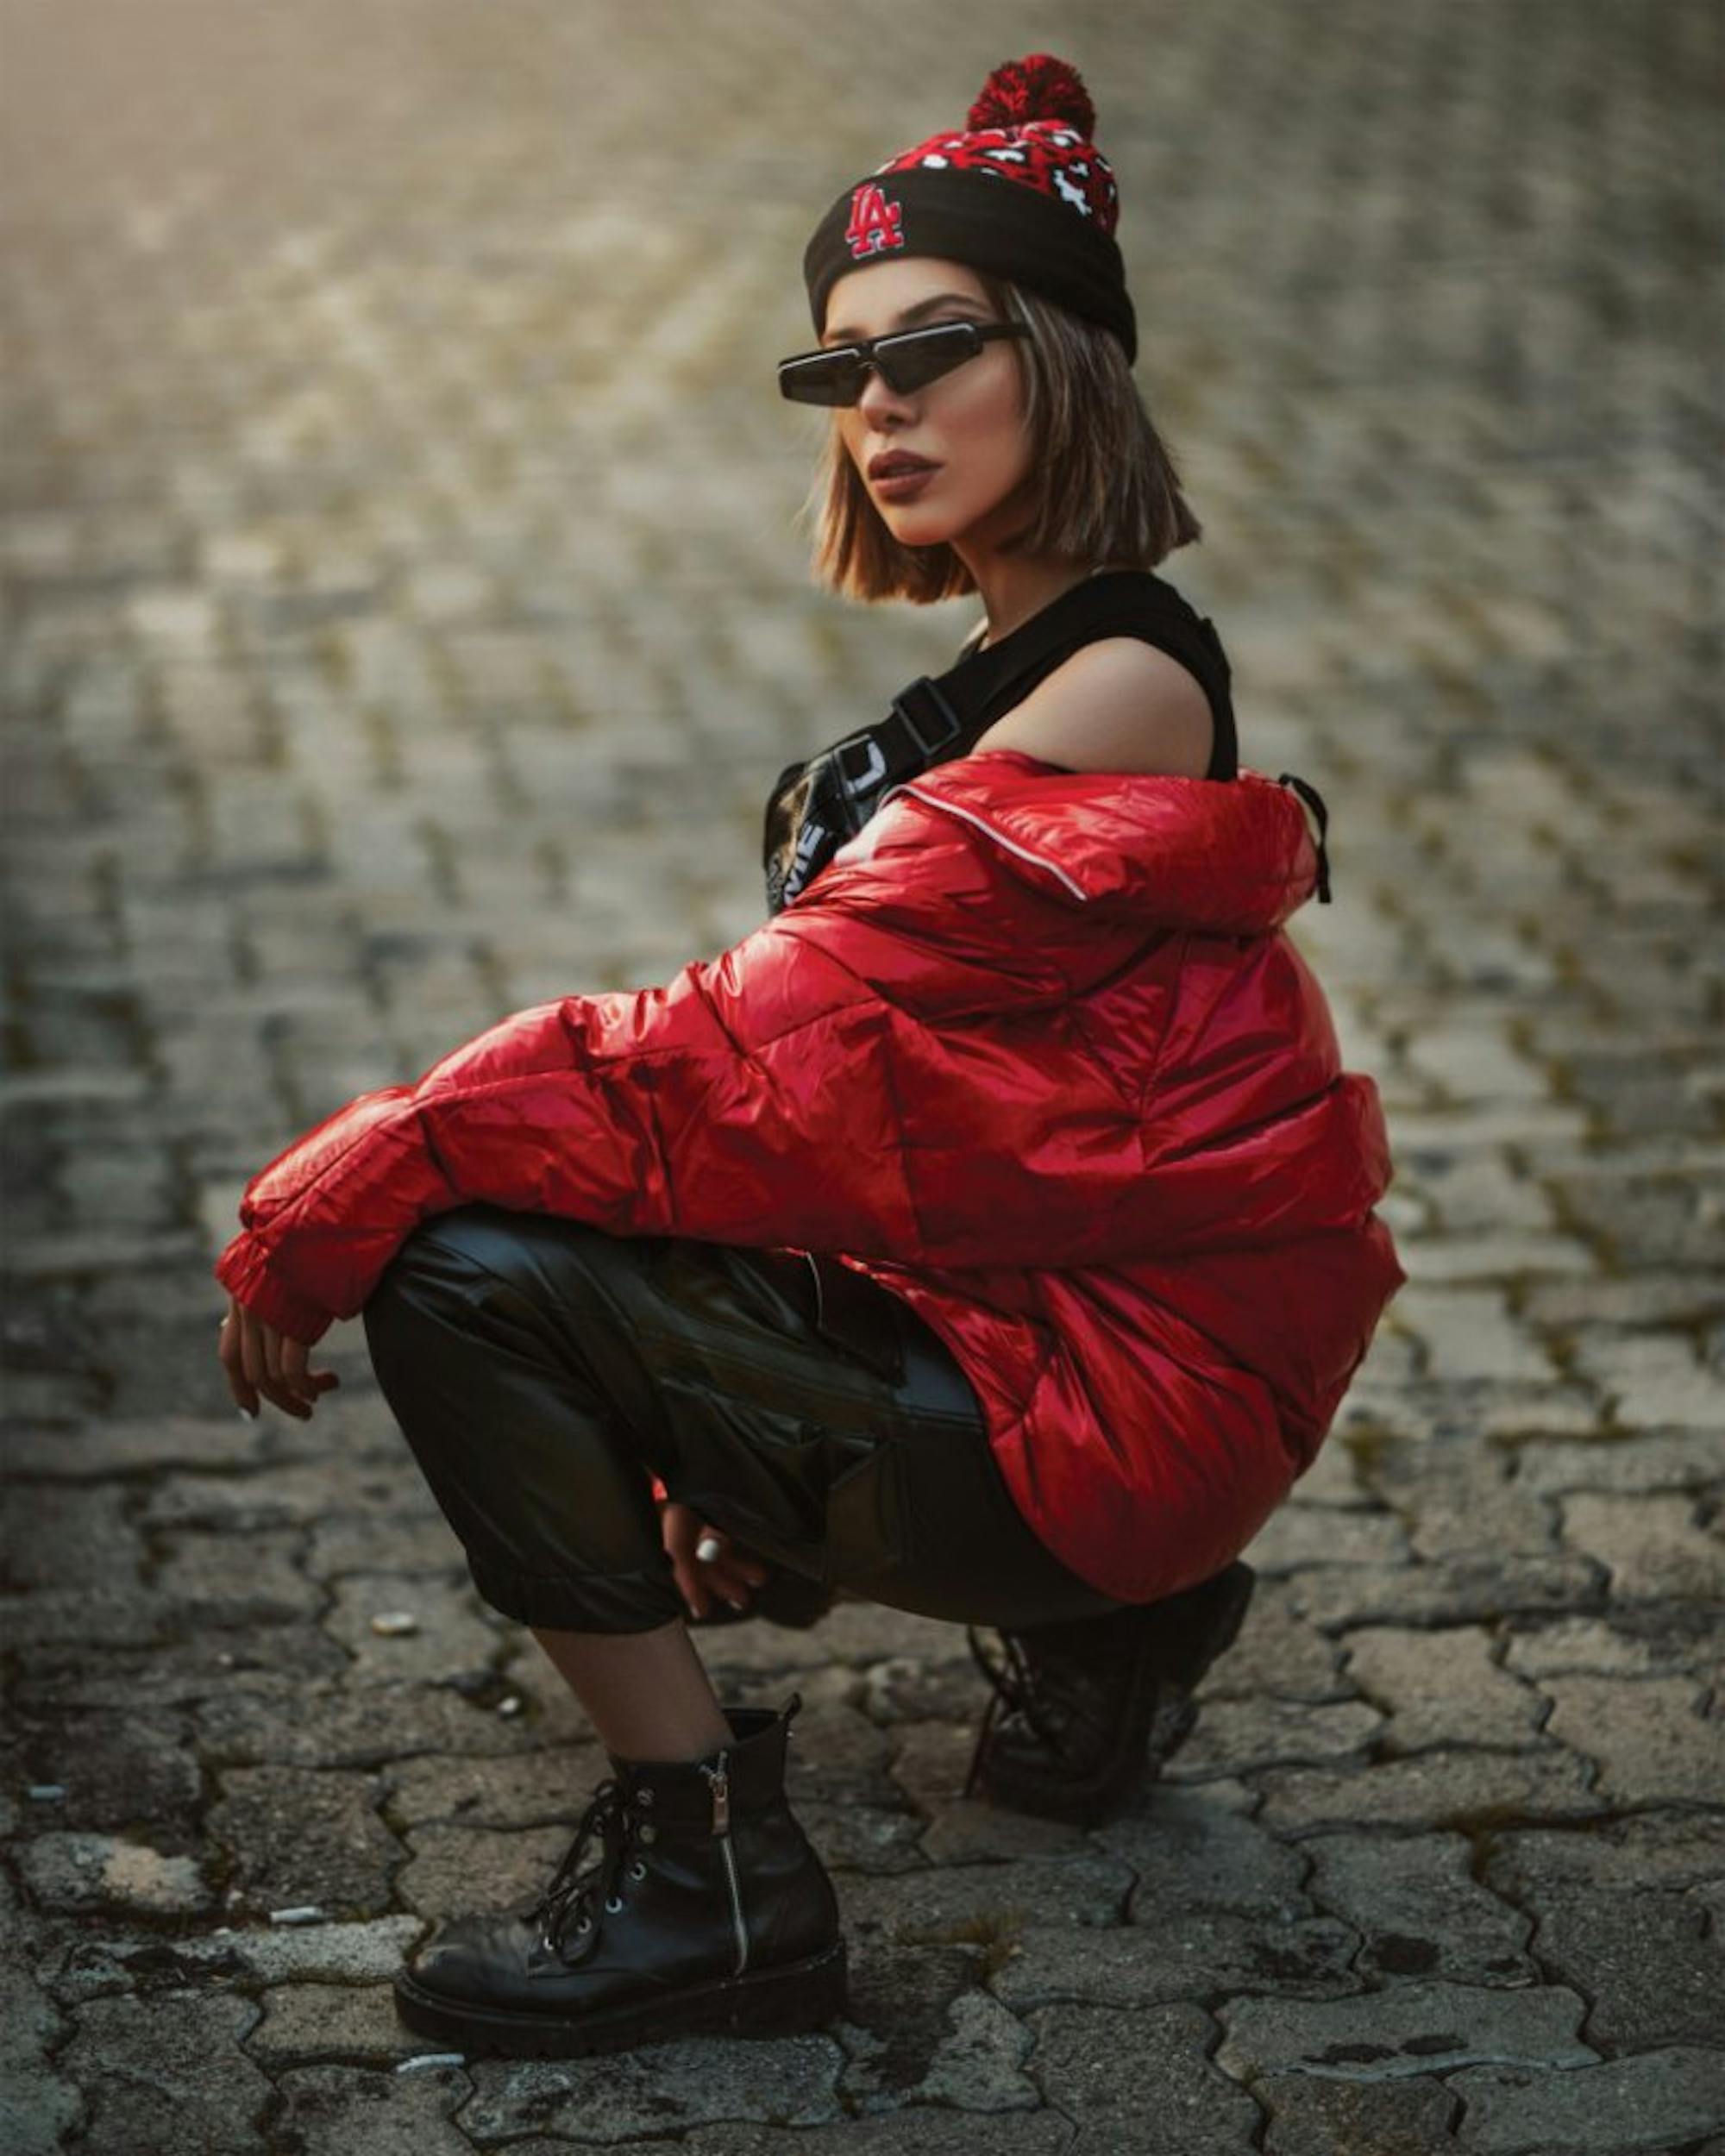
(720,1781)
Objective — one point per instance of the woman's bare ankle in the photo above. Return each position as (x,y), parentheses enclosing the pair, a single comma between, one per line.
(647,1693)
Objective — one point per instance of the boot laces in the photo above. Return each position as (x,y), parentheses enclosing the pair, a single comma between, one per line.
(1052,1689)
(611,1815)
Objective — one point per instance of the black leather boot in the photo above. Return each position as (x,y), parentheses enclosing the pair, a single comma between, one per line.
(705,1911)
(1084,1714)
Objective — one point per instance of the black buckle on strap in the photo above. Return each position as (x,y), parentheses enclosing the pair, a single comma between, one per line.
(940,724)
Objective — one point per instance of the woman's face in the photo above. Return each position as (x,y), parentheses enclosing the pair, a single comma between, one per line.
(970,423)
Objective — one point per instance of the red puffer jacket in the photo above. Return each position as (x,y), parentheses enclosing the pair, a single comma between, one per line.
(1030,1052)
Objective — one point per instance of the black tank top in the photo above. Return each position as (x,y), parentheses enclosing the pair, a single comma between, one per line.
(817,805)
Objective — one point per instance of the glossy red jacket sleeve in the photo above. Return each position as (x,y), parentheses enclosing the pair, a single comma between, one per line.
(760,1098)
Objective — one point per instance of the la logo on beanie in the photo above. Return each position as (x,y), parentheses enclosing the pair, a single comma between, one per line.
(874,225)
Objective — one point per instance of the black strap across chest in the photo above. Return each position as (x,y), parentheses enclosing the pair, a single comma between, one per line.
(816,804)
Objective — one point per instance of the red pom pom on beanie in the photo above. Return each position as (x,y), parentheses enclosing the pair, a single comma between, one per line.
(1037,87)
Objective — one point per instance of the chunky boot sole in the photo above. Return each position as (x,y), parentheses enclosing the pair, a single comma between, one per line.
(785,2000)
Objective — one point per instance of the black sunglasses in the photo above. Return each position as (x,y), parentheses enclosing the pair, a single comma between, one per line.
(908,360)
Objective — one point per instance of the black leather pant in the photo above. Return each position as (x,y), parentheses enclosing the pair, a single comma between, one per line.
(542,1369)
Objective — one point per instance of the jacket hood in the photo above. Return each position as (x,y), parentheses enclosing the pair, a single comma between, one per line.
(1232,857)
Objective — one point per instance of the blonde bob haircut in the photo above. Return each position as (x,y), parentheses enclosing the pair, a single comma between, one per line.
(1102,487)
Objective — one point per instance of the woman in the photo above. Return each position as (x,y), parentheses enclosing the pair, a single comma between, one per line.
(989,1234)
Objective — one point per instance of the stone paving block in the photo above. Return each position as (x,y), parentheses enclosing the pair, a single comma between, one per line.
(229,1578)
(265,1662)
(286,1495)
(1333,1478)
(868,1837)
(298,1837)
(1658,2101)
(37,2104)
(458,1870)
(167,2073)
(77,1873)
(337,2024)
(1654,1379)
(537,1788)
(1644,1221)
(1421,1912)
(1421,2027)
(340,1545)
(1278,1653)
(1640,1297)
(454,1633)
(1645,1961)
(121,1774)
(919,1689)
(298,1955)
(111,1448)
(128,1187)
(343,2111)
(901,2016)
(1484,1256)
(1307,2117)
(661,2088)
(1471,1333)
(1304,1534)
(1538,1411)
(1654,1547)
(1440,1788)
(979,2064)
(68,1537)
(973,1830)
(1651,1641)
(1441,1687)
(1649,1736)
(1477,1063)
(906,2133)
(1198,1848)
(1458,1496)
(1235,1736)
(1199,1956)
(1471,1183)
(1457,1591)
(1139,2079)
(988,1904)
(1661,1852)
(838,1751)
(1672,1459)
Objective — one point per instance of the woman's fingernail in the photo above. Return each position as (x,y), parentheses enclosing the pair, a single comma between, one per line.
(707,1548)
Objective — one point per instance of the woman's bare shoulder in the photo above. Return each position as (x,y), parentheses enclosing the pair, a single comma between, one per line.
(1117,705)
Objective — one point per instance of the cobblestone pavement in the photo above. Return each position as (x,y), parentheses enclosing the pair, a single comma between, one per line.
(401,565)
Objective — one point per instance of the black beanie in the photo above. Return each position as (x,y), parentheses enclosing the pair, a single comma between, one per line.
(1023,193)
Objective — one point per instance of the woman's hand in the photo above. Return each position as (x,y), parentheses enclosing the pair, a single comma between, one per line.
(706,1562)
(259,1359)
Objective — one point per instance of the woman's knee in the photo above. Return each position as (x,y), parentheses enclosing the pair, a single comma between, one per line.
(427,1292)
(481,1281)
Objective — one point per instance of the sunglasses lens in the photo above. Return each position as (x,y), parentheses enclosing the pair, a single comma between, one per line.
(922,356)
(834,379)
